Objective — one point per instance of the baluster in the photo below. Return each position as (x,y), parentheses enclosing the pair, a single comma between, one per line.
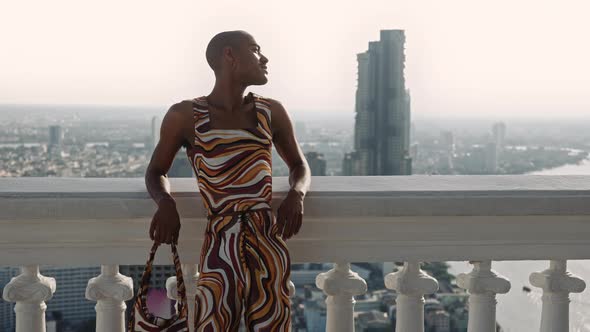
(191,276)
(556,284)
(29,290)
(340,284)
(110,289)
(483,284)
(411,283)
(291,289)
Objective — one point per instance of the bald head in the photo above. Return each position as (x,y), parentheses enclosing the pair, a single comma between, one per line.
(231,39)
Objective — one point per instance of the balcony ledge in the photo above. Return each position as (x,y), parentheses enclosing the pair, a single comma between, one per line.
(90,221)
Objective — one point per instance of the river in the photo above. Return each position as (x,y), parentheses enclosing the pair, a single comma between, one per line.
(518,311)
(582,168)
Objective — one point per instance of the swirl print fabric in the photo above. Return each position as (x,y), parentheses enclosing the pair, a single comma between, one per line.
(244,263)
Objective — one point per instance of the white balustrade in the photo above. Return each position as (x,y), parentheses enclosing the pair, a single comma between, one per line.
(483,284)
(340,284)
(348,219)
(556,283)
(291,289)
(110,290)
(411,284)
(29,290)
(190,274)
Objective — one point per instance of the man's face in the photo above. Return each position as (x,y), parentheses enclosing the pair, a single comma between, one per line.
(251,66)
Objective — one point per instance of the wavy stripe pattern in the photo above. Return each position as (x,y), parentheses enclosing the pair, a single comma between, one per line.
(233,166)
(244,263)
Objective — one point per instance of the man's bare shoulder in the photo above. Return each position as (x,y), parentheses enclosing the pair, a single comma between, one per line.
(184,108)
(180,114)
(178,122)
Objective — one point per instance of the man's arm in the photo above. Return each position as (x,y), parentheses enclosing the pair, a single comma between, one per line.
(299,173)
(166,223)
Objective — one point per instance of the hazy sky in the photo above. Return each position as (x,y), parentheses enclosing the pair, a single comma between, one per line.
(463,57)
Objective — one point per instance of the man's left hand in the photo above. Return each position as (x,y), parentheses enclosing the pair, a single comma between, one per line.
(290,214)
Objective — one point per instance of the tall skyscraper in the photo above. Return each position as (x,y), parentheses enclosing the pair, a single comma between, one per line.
(499,134)
(382,122)
(155,137)
(69,297)
(317,163)
(414,151)
(491,158)
(447,144)
(447,141)
(350,164)
(55,135)
(55,139)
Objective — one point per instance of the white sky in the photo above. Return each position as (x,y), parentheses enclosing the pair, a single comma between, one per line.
(525,57)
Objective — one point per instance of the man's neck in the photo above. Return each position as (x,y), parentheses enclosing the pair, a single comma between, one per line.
(226,96)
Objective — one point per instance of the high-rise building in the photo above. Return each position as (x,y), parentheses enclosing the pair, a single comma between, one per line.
(69,297)
(438,320)
(315,309)
(155,137)
(181,166)
(447,145)
(316,162)
(55,139)
(55,135)
(491,158)
(447,141)
(382,120)
(350,164)
(414,151)
(499,134)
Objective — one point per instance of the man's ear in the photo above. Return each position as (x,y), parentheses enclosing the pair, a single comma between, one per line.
(229,56)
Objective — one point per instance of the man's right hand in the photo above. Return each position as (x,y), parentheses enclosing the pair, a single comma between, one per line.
(165,225)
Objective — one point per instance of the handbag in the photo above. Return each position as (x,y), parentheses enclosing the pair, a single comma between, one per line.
(141,320)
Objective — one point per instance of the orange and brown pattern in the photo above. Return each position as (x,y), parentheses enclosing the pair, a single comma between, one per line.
(244,264)
(233,166)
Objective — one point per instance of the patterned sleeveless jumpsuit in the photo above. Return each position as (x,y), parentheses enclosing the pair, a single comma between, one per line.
(244,262)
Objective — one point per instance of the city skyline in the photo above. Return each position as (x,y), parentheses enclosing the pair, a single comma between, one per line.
(463,58)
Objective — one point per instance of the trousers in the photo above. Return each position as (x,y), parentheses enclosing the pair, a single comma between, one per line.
(244,271)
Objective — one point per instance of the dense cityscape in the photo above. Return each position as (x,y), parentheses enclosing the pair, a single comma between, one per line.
(382,139)
(122,147)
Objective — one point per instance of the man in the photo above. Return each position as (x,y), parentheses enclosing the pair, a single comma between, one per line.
(244,264)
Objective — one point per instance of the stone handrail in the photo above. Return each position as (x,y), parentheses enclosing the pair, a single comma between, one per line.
(374,218)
